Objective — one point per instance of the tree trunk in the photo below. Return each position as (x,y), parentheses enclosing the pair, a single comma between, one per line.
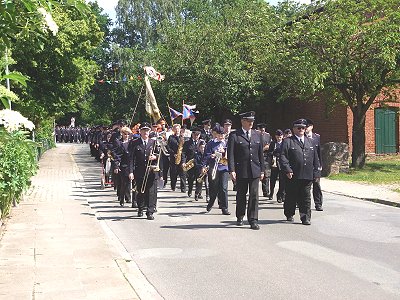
(358,138)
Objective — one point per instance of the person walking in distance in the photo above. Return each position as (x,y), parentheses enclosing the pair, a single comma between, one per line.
(316,185)
(246,166)
(299,161)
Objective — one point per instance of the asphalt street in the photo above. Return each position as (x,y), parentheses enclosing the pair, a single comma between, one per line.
(351,250)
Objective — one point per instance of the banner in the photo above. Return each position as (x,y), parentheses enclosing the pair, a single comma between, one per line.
(151,103)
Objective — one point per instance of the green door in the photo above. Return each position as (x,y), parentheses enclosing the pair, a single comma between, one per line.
(385,131)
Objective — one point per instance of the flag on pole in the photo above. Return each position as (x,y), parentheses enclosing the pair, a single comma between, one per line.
(151,72)
(188,113)
(151,103)
(174,113)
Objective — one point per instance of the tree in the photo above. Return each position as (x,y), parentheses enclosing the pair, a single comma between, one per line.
(62,71)
(350,50)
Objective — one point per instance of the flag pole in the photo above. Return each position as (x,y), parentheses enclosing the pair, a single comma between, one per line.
(169,111)
(183,110)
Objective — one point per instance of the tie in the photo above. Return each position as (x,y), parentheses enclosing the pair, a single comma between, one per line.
(301,142)
(247,135)
(144,142)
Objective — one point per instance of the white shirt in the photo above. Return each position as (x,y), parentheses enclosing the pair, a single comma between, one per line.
(245,131)
(301,139)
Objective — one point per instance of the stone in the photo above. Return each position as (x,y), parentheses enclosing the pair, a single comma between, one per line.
(335,158)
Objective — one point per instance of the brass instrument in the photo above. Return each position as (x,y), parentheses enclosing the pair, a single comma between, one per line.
(188,165)
(178,157)
(223,161)
(218,156)
(150,167)
(162,144)
(201,177)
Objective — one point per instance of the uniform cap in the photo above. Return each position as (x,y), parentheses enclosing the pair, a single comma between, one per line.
(145,125)
(300,123)
(250,115)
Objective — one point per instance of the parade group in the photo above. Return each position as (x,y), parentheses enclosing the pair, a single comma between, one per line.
(139,161)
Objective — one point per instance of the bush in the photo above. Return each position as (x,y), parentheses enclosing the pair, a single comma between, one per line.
(17,165)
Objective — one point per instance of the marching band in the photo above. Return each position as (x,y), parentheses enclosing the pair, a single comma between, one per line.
(138,161)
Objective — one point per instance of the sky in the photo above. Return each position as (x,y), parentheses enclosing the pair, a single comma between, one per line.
(109,5)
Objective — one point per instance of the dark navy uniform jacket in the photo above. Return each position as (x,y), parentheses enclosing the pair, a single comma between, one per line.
(300,160)
(189,150)
(138,157)
(172,145)
(316,140)
(245,157)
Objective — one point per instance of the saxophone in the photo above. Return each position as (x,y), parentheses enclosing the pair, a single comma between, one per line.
(179,152)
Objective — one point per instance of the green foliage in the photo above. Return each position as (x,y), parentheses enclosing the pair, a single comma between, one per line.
(17,166)
(62,72)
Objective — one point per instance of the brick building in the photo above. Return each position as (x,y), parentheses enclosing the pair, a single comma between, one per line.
(335,125)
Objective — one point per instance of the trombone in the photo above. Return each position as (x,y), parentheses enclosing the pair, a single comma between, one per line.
(150,167)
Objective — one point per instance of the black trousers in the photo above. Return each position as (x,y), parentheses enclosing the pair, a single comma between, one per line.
(174,172)
(125,188)
(191,178)
(298,191)
(219,188)
(317,192)
(148,199)
(275,174)
(199,186)
(165,167)
(242,186)
(265,182)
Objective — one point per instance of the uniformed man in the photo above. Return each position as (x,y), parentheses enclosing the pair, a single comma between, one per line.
(316,186)
(172,145)
(142,151)
(267,140)
(299,161)
(190,148)
(246,167)
(206,131)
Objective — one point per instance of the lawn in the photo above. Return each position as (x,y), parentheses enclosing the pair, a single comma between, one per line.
(378,170)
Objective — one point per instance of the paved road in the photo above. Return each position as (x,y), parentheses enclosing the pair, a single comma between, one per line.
(351,250)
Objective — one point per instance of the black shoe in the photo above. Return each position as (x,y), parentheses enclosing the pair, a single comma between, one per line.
(189,195)
(270,196)
(200,197)
(173,189)
(279,200)
(128,201)
(306,222)
(121,202)
(319,208)
(134,204)
(225,212)
(254,226)
(196,198)
(290,219)
(266,195)
(208,209)
(140,213)
(150,217)
(239,221)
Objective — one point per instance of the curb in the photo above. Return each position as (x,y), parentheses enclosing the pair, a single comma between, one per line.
(374,200)
(129,269)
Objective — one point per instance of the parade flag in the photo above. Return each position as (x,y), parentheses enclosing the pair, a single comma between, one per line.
(174,113)
(151,72)
(188,112)
(151,103)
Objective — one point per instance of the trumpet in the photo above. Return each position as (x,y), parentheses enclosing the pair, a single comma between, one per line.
(150,167)
(188,165)
(201,177)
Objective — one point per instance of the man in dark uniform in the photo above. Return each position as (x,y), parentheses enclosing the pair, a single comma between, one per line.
(143,150)
(316,186)
(190,148)
(299,161)
(246,166)
(267,141)
(205,133)
(172,145)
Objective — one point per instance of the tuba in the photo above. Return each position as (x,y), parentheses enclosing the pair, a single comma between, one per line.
(178,157)
(188,165)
